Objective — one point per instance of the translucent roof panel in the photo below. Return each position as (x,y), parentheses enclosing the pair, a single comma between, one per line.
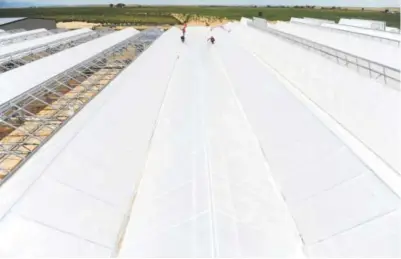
(13,84)
(11,19)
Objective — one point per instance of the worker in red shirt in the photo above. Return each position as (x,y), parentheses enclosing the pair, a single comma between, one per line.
(184,29)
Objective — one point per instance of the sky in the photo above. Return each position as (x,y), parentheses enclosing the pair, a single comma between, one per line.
(365,3)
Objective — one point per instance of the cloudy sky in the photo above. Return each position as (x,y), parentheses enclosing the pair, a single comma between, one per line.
(365,3)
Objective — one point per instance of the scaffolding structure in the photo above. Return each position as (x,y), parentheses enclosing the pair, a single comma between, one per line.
(31,119)
(19,59)
(18,38)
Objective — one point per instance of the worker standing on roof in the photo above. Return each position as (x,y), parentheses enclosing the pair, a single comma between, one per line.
(212,40)
(184,29)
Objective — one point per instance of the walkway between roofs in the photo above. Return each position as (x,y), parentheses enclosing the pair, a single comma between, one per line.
(206,190)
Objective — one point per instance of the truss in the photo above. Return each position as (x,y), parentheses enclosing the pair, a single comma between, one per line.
(32,118)
(15,31)
(16,60)
(24,37)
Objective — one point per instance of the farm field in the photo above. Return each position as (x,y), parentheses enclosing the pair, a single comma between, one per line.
(167,15)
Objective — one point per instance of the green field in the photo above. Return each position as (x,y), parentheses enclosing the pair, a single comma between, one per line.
(154,15)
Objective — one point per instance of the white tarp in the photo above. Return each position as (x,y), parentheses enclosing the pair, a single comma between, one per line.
(370,24)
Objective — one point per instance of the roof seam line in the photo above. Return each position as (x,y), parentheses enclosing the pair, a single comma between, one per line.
(355,226)
(62,231)
(124,225)
(271,178)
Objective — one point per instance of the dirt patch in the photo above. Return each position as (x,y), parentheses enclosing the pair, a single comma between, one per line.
(76,25)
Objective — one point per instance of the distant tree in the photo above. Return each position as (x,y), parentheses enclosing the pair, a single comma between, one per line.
(120,5)
(363,9)
(111,5)
(387,11)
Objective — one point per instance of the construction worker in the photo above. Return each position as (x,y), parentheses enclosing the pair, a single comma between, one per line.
(212,40)
(184,29)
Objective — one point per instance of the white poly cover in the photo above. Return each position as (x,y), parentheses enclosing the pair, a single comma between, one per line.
(392,29)
(300,20)
(259,22)
(225,158)
(245,20)
(318,21)
(376,33)
(71,198)
(24,78)
(21,34)
(33,45)
(366,108)
(375,25)
(358,46)
(341,207)
(310,21)
(206,190)
(11,19)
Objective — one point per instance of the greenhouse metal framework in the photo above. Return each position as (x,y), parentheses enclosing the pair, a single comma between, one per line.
(36,115)
(22,36)
(135,144)
(20,58)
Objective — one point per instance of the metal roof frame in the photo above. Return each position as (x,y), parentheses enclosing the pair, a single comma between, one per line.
(41,51)
(22,36)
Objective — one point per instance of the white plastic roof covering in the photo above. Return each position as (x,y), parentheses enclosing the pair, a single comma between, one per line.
(24,78)
(319,21)
(207,190)
(392,29)
(11,19)
(57,207)
(21,34)
(259,22)
(372,50)
(216,146)
(366,108)
(376,25)
(19,48)
(376,33)
(245,20)
(310,21)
